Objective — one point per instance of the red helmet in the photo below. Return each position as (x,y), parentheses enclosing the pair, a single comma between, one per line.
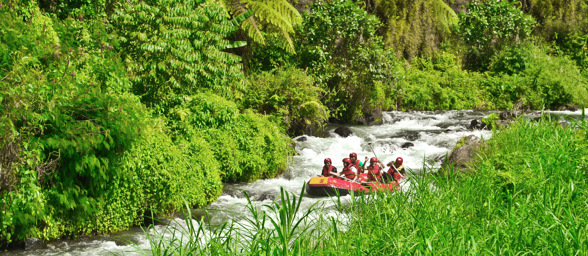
(352,155)
(373,160)
(327,160)
(399,160)
(347,160)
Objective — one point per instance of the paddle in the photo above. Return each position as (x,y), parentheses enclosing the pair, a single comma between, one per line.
(345,178)
(370,144)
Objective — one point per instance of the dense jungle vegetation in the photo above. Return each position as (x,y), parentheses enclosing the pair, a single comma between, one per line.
(112,109)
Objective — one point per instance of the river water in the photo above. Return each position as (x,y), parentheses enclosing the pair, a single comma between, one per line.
(422,139)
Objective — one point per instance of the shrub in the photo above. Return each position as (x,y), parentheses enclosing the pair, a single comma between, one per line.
(290,97)
(247,145)
(441,84)
(167,171)
(546,82)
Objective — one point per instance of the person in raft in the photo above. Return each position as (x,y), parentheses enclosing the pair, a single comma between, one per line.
(358,164)
(329,170)
(396,171)
(349,171)
(374,170)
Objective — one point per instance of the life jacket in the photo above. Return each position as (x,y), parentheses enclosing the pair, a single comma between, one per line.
(374,173)
(327,172)
(348,172)
(359,170)
(395,173)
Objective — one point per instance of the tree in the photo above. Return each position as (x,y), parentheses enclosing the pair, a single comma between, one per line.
(489,26)
(340,47)
(414,27)
(177,48)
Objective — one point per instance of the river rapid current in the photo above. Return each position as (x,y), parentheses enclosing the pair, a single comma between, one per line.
(422,139)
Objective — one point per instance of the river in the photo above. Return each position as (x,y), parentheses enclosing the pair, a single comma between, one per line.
(422,139)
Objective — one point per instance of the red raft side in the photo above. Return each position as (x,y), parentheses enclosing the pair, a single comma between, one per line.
(384,187)
(329,186)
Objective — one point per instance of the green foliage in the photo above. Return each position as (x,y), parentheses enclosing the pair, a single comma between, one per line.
(490,120)
(523,76)
(564,23)
(511,60)
(270,18)
(290,97)
(546,82)
(79,9)
(340,47)
(68,112)
(78,155)
(168,172)
(247,145)
(175,48)
(414,27)
(269,56)
(576,46)
(440,84)
(489,26)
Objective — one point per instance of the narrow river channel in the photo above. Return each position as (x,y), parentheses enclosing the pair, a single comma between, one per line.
(421,138)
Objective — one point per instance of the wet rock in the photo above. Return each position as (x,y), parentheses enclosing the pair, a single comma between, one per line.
(445,125)
(410,135)
(407,145)
(477,125)
(155,219)
(264,197)
(374,118)
(125,242)
(302,139)
(462,155)
(511,114)
(569,107)
(34,244)
(343,131)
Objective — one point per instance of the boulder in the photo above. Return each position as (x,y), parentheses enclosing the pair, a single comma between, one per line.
(407,145)
(34,244)
(302,139)
(343,131)
(477,125)
(374,118)
(462,155)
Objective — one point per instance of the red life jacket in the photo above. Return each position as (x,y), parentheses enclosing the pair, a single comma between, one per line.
(348,172)
(395,174)
(359,170)
(374,173)
(327,172)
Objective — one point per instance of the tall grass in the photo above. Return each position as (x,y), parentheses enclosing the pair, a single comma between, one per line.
(528,195)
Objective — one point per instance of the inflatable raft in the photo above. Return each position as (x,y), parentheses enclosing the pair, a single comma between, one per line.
(331,186)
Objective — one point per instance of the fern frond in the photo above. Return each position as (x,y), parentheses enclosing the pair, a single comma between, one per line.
(267,14)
